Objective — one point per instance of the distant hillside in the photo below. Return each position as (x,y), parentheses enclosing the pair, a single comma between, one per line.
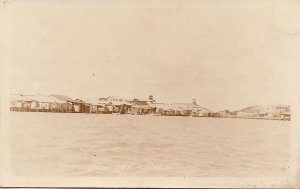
(266,109)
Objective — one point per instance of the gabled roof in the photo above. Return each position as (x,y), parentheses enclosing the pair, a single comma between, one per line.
(19,97)
(79,101)
(193,106)
(102,102)
(63,98)
(42,98)
(92,101)
(172,107)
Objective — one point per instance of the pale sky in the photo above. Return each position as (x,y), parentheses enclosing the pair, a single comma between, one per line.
(225,55)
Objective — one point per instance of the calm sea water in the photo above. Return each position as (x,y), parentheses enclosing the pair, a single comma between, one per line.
(125,145)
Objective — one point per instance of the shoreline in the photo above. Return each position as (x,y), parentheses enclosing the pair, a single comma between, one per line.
(118,114)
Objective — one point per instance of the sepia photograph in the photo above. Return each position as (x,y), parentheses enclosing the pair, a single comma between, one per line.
(137,93)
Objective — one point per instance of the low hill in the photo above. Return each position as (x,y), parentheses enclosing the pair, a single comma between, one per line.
(266,109)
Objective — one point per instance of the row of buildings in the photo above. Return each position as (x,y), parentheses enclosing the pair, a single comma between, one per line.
(108,105)
(118,105)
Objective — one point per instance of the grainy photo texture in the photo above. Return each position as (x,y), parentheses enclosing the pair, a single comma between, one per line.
(150,93)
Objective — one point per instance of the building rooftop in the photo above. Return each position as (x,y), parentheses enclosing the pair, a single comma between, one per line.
(62,97)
